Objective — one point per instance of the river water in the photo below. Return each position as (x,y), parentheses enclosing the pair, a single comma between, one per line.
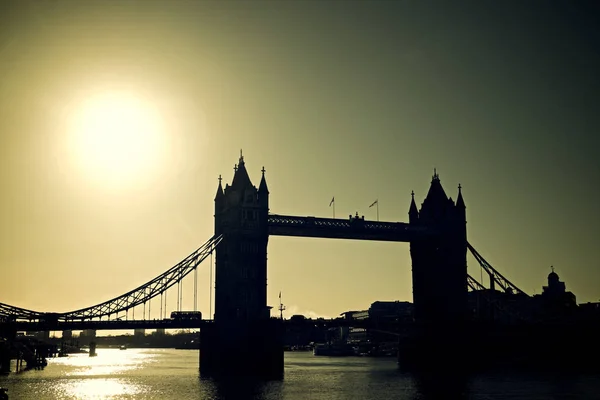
(173,374)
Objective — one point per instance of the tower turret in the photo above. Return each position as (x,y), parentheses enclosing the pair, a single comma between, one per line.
(241,180)
(461,209)
(219,196)
(413,212)
(460,203)
(219,205)
(263,191)
(435,206)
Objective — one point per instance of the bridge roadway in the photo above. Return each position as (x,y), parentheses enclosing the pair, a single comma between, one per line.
(351,228)
(39,326)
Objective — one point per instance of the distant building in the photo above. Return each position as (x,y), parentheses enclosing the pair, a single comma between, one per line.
(139,332)
(507,307)
(381,315)
(384,310)
(555,298)
(88,333)
(590,311)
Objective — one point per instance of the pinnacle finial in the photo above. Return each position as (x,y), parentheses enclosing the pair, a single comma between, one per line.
(412,193)
(235,167)
(220,179)
(241,156)
(459,187)
(552,268)
(263,171)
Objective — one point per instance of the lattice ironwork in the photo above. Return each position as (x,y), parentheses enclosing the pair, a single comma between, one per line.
(17,312)
(135,297)
(474,284)
(496,276)
(496,303)
(351,228)
(149,290)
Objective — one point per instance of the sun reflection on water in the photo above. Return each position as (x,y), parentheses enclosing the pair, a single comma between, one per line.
(108,362)
(98,377)
(97,389)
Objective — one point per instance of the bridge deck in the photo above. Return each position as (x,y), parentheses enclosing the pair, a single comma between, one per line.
(109,325)
(39,326)
(352,228)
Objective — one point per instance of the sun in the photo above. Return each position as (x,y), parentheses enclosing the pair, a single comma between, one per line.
(117,138)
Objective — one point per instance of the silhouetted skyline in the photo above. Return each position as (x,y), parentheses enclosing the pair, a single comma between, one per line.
(353,100)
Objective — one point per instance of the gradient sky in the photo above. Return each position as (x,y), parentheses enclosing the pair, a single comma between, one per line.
(357,100)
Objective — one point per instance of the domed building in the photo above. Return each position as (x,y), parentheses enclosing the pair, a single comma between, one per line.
(555,297)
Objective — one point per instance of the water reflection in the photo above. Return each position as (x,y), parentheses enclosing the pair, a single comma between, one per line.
(173,374)
(96,389)
(241,388)
(440,386)
(108,363)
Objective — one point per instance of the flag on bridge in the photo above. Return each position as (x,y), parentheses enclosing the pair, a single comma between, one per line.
(375,202)
(332,201)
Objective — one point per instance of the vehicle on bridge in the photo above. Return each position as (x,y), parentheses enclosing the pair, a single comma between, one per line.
(186,315)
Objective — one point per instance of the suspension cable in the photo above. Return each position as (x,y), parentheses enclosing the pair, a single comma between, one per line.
(195,289)
(138,296)
(210,286)
(180,292)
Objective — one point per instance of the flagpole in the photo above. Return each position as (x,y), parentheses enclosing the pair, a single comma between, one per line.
(376,203)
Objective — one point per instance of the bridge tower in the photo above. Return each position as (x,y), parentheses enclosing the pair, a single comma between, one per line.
(241,212)
(439,262)
(439,274)
(244,338)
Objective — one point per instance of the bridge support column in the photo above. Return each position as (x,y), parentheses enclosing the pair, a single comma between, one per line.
(4,358)
(239,348)
(243,340)
(434,348)
(439,276)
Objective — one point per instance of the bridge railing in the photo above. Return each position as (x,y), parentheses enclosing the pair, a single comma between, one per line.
(351,228)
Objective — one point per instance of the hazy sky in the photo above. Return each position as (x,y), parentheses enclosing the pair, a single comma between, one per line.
(357,100)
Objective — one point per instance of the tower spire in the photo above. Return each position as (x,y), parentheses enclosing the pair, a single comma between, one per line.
(262,187)
(413,212)
(220,192)
(460,202)
(240,176)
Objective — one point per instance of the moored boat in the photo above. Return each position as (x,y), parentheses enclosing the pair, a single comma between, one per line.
(333,350)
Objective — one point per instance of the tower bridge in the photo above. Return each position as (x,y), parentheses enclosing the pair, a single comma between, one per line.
(242,336)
